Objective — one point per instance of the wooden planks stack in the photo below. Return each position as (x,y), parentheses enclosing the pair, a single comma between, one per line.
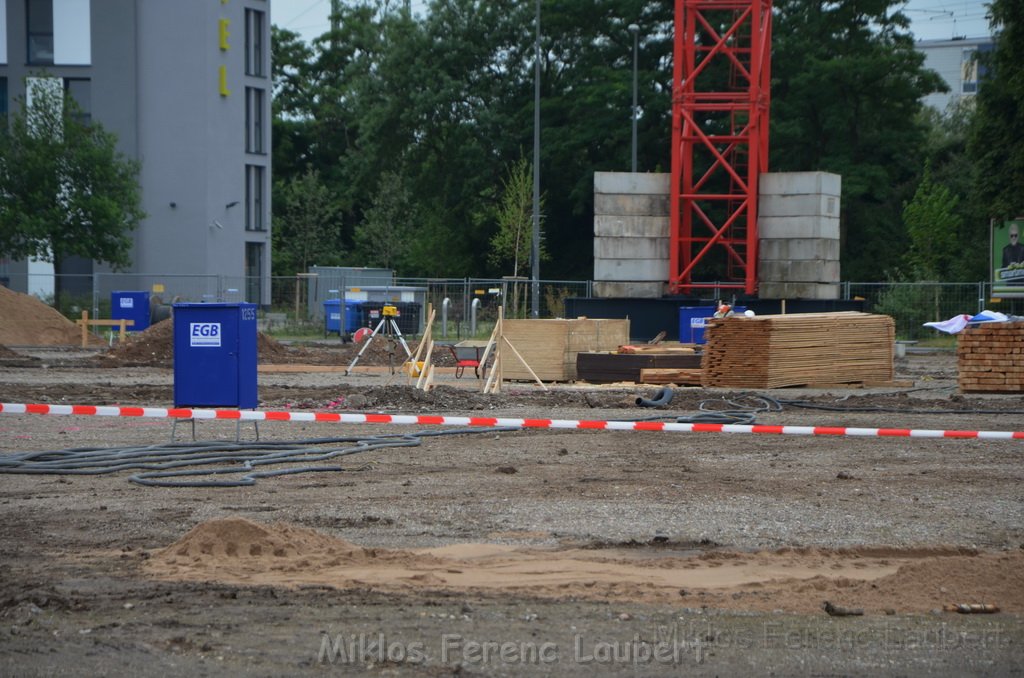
(550,347)
(990,358)
(607,368)
(773,351)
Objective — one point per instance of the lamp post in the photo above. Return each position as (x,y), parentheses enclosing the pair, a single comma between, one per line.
(535,249)
(635,30)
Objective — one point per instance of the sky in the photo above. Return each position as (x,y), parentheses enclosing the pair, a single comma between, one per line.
(930,19)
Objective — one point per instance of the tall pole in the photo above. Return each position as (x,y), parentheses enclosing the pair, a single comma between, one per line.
(535,251)
(635,30)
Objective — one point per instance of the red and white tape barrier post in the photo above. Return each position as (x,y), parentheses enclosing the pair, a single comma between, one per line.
(437,420)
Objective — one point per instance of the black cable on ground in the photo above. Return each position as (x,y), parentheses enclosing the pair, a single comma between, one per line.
(162,465)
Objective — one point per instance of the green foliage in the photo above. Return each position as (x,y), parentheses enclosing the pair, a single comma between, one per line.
(513,241)
(911,306)
(846,90)
(997,137)
(66,189)
(383,238)
(446,102)
(307,228)
(933,227)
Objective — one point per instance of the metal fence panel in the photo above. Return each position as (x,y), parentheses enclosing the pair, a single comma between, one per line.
(467,307)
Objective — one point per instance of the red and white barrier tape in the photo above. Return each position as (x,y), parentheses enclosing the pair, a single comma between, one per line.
(436,420)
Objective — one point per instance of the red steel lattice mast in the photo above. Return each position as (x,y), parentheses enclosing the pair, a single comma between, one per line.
(720,102)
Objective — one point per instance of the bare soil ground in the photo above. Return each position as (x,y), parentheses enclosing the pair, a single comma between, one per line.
(512,552)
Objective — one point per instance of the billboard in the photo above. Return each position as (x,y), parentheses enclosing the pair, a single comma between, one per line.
(1008,258)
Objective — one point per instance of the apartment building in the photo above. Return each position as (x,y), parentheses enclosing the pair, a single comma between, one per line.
(185,85)
(955,61)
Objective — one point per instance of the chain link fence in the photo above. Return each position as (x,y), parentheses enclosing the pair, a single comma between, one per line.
(464,307)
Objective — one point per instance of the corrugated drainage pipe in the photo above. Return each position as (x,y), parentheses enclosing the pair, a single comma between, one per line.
(661,398)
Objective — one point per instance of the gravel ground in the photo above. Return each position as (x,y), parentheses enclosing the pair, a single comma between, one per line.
(76,596)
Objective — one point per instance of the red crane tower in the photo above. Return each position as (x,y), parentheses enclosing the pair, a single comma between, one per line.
(720,101)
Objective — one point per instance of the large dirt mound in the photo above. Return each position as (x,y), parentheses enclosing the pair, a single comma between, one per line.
(26,321)
(154,347)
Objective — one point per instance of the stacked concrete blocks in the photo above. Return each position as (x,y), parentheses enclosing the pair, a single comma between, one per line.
(631,234)
(798,235)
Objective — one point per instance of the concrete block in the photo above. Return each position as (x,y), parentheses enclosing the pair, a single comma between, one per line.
(630,227)
(810,205)
(624,270)
(798,249)
(630,248)
(795,183)
(629,290)
(616,204)
(798,271)
(798,290)
(649,183)
(798,227)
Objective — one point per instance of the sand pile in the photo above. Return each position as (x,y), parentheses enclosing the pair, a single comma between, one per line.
(26,321)
(875,580)
(230,538)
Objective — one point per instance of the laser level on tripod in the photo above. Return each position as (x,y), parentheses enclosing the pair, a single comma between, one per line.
(388,327)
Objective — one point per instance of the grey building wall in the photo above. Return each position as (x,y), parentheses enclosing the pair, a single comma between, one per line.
(155,77)
(952,59)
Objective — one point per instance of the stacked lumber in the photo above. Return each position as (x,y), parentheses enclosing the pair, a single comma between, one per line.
(990,358)
(550,347)
(610,368)
(799,349)
(662,348)
(678,376)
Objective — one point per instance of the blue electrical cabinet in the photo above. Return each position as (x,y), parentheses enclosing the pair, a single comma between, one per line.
(215,355)
(131,306)
(692,319)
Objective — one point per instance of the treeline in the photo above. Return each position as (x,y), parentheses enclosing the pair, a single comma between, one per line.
(398,137)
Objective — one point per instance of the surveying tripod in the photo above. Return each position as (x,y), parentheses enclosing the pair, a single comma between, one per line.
(389,328)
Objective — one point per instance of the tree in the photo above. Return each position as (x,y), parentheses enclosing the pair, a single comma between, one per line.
(307,227)
(65,188)
(513,241)
(997,137)
(446,102)
(933,226)
(383,238)
(846,90)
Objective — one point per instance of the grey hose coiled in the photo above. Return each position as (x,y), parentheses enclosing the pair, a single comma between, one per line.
(662,398)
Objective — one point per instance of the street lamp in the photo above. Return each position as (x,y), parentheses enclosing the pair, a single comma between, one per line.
(535,248)
(635,30)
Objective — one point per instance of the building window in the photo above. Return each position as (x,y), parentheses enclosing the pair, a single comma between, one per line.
(254,43)
(3,32)
(255,190)
(254,125)
(253,272)
(3,104)
(40,31)
(80,91)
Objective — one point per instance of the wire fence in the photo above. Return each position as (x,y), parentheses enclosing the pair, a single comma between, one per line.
(464,307)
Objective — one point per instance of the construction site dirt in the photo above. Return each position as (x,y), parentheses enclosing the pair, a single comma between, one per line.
(508,552)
